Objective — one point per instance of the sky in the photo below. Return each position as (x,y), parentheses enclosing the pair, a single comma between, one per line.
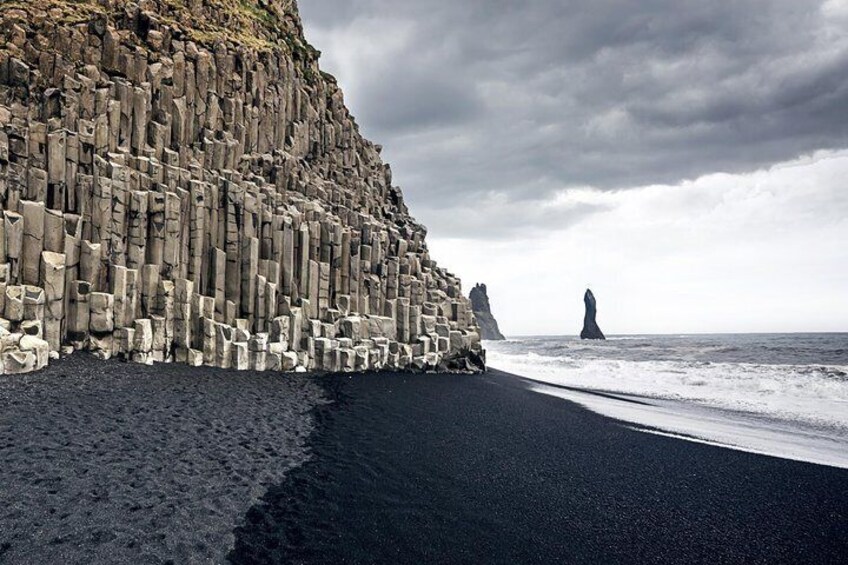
(687,160)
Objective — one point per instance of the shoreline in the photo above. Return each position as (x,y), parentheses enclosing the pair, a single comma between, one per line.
(456,469)
(111,460)
(749,432)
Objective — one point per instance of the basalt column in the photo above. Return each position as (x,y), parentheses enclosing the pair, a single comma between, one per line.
(183,183)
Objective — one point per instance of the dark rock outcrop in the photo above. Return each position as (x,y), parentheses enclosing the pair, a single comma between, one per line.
(483,312)
(590,326)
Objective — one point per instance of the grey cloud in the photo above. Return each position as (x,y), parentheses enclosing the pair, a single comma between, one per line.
(526,98)
(493,220)
(436,102)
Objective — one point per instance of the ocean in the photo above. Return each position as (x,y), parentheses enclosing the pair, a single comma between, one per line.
(781,394)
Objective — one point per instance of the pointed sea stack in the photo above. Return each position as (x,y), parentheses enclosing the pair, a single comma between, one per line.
(179,181)
(483,312)
(590,326)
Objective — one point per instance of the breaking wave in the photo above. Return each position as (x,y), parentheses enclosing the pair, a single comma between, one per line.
(751,374)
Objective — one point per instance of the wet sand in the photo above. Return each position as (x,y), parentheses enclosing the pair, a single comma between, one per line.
(110,462)
(461,469)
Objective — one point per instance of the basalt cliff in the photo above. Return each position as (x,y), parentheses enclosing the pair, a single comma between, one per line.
(483,312)
(180,182)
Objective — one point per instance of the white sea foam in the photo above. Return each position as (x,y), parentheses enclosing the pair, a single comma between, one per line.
(714,426)
(796,411)
(813,394)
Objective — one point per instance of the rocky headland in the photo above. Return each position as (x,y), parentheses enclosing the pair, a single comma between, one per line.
(179,181)
(489,329)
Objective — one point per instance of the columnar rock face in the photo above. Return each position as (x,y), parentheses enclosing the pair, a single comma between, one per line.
(180,182)
(590,326)
(483,312)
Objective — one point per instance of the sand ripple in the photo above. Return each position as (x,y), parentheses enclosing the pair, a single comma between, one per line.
(107,462)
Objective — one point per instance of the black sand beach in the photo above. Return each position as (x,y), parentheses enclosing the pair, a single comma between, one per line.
(117,463)
(111,462)
(458,469)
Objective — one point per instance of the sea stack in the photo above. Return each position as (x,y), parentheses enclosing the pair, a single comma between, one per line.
(590,326)
(179,181)
(482,311)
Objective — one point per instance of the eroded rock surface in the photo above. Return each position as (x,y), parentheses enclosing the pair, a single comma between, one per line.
(180,182)
(590,325)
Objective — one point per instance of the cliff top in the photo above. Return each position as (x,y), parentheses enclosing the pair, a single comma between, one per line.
(262,24)
(479,297)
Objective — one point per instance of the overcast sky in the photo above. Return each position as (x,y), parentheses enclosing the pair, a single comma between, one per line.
(687,159)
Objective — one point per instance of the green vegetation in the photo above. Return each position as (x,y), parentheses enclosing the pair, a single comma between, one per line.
(65,12)
(258,24)
(260,13)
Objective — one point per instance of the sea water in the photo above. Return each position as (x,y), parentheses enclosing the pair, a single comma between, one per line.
(779,394)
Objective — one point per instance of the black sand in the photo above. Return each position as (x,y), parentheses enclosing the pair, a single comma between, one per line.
(106,462)
(457,469)
(109,462)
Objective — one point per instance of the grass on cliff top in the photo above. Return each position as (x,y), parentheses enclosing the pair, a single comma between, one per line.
(65,12)
(248,22)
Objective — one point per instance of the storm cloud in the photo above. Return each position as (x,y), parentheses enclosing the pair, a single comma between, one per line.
(511,103)
(688,160)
